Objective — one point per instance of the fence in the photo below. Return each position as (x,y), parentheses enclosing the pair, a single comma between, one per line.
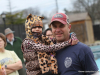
(19,30)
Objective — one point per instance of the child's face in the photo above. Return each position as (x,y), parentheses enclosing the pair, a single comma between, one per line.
(37,29)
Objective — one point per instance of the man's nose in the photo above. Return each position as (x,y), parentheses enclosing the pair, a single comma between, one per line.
(57,29)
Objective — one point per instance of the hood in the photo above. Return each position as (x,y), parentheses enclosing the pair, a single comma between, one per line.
(32,21)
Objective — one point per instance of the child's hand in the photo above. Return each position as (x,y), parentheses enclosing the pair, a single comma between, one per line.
(74,41)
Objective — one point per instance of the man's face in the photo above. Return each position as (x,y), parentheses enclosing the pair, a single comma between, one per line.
(10,36)
(60,31)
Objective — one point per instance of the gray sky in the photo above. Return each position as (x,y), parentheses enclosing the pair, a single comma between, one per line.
(43,5)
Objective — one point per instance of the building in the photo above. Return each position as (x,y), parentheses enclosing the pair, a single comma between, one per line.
(81,24)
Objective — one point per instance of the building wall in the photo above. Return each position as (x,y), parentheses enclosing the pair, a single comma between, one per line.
(89,29)
(83,30)
(80,29)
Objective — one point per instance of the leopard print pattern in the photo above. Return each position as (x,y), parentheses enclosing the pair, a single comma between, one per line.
(32,21)
(47,61)
(30,46)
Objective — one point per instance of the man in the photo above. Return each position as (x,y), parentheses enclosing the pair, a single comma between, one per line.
(72,60)
(14,44)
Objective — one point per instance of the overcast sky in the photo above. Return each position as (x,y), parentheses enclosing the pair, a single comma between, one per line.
(43,5)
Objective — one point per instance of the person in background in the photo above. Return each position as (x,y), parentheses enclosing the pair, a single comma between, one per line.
(9,61)
(48,32)
(72,60)
(14,44)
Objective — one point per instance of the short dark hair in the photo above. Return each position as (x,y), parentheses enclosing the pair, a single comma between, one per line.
(2,36)
(47,30)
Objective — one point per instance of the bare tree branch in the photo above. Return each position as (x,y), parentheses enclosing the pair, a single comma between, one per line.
(90,6)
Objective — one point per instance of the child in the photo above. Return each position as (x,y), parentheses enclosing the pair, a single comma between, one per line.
(38,50)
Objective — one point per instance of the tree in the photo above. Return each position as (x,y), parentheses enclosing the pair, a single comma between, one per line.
(16,18)
(66,11)
(33,11)
(90,6)
(19,17)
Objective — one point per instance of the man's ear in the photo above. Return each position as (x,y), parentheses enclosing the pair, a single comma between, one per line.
(69,26)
